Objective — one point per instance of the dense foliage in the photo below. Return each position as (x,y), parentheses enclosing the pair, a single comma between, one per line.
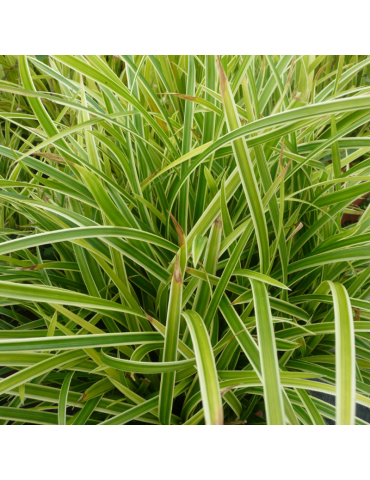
(184,239)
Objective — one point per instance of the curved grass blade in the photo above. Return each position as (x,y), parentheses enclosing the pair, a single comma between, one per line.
(63,399)
(209,386)
(269,362)
(171,340)
(246,172)
(345,356)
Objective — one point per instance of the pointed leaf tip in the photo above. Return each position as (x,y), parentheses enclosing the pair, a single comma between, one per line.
(179,230)
(223,78)
(198,248)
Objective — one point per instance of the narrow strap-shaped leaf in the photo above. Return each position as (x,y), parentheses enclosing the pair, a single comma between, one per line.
(63,399)
(210,266)
(209,386)
(171,341)
(310,407)
(38,293)
(345,361)
(74,342)
(247,176)
(197,249)
(28,416)
(269,361)
(86,411)
(34,371)
(261,277)
(145,367)
(133,413)
(186,144)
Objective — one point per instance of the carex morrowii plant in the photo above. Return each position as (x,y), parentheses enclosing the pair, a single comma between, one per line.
(184,239)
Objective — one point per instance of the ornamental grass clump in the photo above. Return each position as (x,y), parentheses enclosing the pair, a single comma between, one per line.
(184,239)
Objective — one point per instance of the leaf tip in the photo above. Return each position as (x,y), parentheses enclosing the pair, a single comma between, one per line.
(179,230)
(223,78)
(149,318)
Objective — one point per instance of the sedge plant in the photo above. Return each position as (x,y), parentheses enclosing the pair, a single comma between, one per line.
(184,239)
